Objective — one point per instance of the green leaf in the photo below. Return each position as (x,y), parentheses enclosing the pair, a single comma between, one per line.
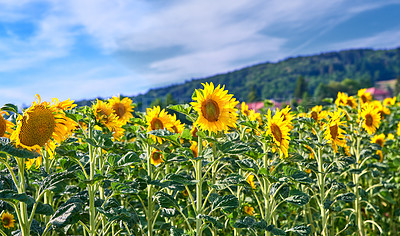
(275,231)
(9,107)
(165,200)
(7,147)
(248,165)
(123,188)
(301,230)
(186,134)
(67,214)
(298,198)
(181,108)
(212,220)
(227,203)
(9,195)
(346,197)
(128,159)
(42,209)
(234,148)
(178,178)
(246,222)
(165,134)
(56,182)
(231,180)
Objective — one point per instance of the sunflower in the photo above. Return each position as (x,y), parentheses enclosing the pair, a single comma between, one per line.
(380,154)
(42,125)
(382,110)
(311,154)
(390,136)
(216,108)
(156,158)
(122,108)
(6,127)
(250,180)
(7,220)
(341,99)
(398,129)
(249,210)
(194,148)
(287,116)
(177,126)
(378,139)
(158,119)
(389,101)
(193,132)
(105,115)
(364,96)
(279,129)
(371,118)
(317,113)
(333,131)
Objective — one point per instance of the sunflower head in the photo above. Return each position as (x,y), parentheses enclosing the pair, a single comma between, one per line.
(215,107)
(249,210)
(158,119)
(6,127)
(371,118)
(122,108)
(279,129)
(317,114)
(250,180)
(7,220)
(333,130)
(177,126)
(364,96)
(389,101)
(379,139)
(42,124)
(194,148)
(380,154)
(341,99)
(156,158)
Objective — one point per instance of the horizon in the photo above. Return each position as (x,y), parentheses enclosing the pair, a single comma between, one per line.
(83,50)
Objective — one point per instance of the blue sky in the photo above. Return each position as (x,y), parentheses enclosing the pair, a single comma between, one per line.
(83,49)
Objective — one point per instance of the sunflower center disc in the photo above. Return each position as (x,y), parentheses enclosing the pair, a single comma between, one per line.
(334,131)
(380,142)
(210,110)
(368,120)
(276,131)
(3,126)
(314,115)
(364,98)
(156,124)
(349,103)
(156,156)
(39,128)
(119,109)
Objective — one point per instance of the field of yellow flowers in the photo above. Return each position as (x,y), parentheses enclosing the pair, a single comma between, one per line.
(211,167)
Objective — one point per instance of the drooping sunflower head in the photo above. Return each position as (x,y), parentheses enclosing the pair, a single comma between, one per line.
(158,119)
(371,118)
(215,107)
(389,101)
(64,105)
(382,110)
(7,220)
(364,96)
(156,158)
(41,125)
(249,210)
(351,102)
(6,127)
(279,129)
(250,180)
(333,130)
(380,154)
(122,108)
(194,148)
(244,108)
(379,139)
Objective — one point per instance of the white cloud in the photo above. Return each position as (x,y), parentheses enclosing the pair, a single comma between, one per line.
(383,40)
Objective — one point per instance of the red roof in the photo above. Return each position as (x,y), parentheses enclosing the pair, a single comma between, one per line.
(377,92)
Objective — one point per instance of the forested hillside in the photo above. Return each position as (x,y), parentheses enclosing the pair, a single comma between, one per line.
(278,80)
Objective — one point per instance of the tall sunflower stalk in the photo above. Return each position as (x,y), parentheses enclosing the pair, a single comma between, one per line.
(43,126)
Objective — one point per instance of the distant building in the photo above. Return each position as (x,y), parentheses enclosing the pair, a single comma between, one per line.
(378,94)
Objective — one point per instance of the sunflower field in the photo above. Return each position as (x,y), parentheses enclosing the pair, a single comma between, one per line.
(211,167)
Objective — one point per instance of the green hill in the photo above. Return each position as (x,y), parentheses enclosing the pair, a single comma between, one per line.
(278,80)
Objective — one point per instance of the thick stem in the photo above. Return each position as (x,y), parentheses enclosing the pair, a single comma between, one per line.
(199,187)
(24,224)
(91,188)
(357,202)
(321,185)
(149,194)
(267,205)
